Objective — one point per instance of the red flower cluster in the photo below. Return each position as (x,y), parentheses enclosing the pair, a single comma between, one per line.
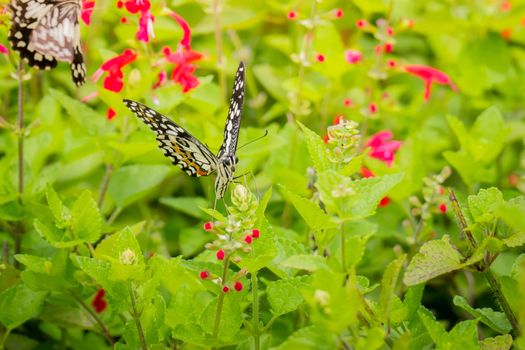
(113,81)
(98,302)
(87,9)
(429,75)
(146,18)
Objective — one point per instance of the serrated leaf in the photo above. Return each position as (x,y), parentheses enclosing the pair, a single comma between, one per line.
(515,240)
(501,342)
(316,148)
(434,258)
(263,249)
(19,304)
(86,221)
(305,262)
(494,319)
(484,205)
(309,338)
(285,295)
(513,213)
(231,318)
(132,182)
(311,213)
(56,206)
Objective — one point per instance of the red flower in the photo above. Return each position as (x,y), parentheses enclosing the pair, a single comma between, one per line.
(186,37)
(388,47)
(220,254)
(225,289)
(111,113)
(391,63)
(208,226)
(204,275)
(163,77)
(145,26)
(320,57)
(429,75)
(113,81)
(338,13)
(134,6)
(238,286)
(248,239)
(292,15)
(353,56)
(255,233)
(98,301)
(347,102)
(3,49)
(443,208)
(384,202)
(183,71)
(361,23)
(123,20)
(372,107)
(87,10)
(383,147)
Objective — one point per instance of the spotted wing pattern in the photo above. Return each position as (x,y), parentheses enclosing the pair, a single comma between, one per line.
(233,121)
(47,31)
(178,145)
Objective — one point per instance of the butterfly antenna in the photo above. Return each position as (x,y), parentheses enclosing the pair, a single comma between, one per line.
(254,140)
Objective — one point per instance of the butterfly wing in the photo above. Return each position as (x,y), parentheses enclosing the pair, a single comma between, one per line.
(180,146)
(233,121)
(25,15)
(47,32)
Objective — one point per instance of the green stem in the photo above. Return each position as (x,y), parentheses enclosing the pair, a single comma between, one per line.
(4,338)
(136,317)
(255,308)
(104,185)
(220,300)
(95,317)
(496,288)
(20,129)
(343,251)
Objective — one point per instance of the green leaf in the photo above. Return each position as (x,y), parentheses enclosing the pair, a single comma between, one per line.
(60,212)
(263,249)
(434,258)
(309,338)
(355,250)
(316,148)
(285,295)
(501,342)
(388,286)
(311,213)
(305,262)
(471,172)
(484,205)
(487,135)
(494,319)
(187,205)
(231,318)
(133,182)
(19,304)
(86,221)
(513,213)
(435,329)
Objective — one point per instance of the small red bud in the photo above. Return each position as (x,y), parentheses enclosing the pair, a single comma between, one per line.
(347,102)
(238,286)
(120,4)
(443,208)
(372,107)
(441,190)
(292,15)
(123,20)
(390,31)
(384,202)
(248,239)
(389,47)
(208,226)
(225,289)
(320,58)
(255,233)
(338,120)
(513,179)
(361,23)
(204,274)
(220,254)
(326,138)
(391,63)
(111,113)
(338,13)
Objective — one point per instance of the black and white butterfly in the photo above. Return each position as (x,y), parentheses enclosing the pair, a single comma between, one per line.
(47,31)
(190,154)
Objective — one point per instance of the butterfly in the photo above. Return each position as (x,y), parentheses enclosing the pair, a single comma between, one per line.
(47,31)
(187,152)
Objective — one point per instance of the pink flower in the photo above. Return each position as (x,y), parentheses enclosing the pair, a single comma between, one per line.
(3,49)
(185,42)
(429,75)
(145,26)
(353,56)
(184,69)
(372,107)
(383,147)
(87,10)
(113,81)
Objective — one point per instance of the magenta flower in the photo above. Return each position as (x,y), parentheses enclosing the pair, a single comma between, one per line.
(113,81)
(185,42)
(383,147)
(145,26)
(4,49)
(353,56)
(430,75)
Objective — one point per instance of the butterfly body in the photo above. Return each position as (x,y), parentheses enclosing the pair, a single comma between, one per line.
(187,152)
(47,31)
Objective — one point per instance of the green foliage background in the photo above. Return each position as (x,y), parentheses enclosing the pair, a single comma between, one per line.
(331,269)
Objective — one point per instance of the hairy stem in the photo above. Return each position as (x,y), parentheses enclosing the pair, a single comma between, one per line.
(95,317)
(4,338)
(220,300)
(19,229)
(343,252)
(136,316)
(255,310)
